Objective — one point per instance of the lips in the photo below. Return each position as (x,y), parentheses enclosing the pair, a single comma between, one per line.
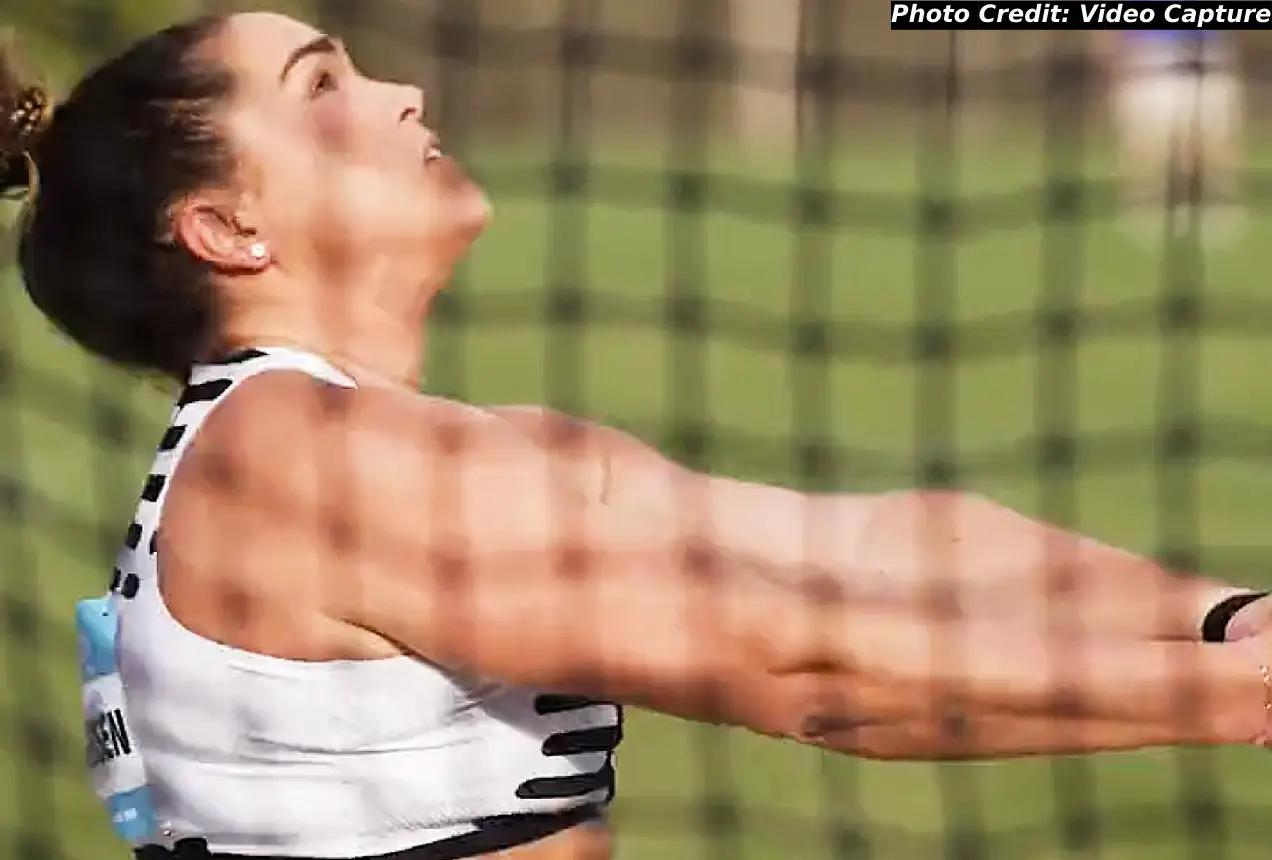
(433,149)
(442,166)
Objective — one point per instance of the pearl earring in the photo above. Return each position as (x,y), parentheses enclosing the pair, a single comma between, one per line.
(258,251)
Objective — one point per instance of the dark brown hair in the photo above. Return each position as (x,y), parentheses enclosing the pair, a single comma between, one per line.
(134,136)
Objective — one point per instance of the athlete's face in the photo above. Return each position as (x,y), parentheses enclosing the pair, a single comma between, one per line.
(340,169)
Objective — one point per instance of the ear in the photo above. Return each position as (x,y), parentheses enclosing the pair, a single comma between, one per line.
(210,229)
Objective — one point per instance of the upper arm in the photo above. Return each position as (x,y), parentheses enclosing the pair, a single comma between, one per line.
(621,469)
(440,528)
(785,527)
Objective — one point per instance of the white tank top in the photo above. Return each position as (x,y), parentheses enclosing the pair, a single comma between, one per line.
(264,756)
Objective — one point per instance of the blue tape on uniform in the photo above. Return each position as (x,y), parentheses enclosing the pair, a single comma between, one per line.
(96,625)
(132,813)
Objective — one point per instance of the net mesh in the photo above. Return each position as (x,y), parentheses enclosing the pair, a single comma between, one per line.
(786,245)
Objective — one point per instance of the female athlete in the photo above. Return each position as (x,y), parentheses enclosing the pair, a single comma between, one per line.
(355,621)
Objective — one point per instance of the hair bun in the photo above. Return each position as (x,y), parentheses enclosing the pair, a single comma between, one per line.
(25,111)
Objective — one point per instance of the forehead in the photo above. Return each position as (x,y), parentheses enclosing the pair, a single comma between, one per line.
(257,44)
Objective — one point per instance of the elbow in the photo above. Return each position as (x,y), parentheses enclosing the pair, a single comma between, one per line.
(868,669)
(836,712)
(773,686)
(736,681)
(788,686)
(881,734)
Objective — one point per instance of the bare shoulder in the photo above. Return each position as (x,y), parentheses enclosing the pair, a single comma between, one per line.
(236,562)
(263,412)
(291,489)
(285,416)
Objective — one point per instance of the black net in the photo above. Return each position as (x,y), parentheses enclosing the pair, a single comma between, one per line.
(783,244)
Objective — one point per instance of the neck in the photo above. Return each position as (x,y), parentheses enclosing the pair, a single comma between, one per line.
(374,349)
(387,360)
(377,339)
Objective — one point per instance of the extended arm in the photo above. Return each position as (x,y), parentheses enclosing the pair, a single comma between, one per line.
(439,528)
(992,736)
(905,546)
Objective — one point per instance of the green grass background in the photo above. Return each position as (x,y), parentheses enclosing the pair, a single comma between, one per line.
(624,247)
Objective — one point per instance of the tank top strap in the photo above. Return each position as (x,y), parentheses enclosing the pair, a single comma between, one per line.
(250,361)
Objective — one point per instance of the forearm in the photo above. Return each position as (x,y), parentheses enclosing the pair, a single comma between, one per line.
(702,636)
(998,736)
(908,667)
(851,715)
(998,563)
(905,547)
(816,538)
(1120,592)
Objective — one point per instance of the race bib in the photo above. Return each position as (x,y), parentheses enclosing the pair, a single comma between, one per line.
(115,766)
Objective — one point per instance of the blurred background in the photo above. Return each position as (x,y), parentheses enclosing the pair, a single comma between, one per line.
(783,243)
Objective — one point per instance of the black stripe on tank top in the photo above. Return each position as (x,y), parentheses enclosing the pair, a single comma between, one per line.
(552,703)
(171,438)
(126,586)
(202,392)
(576,785)
(601,739)
(238,356)
(154,486)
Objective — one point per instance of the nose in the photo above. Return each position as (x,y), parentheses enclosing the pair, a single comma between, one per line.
(413,107)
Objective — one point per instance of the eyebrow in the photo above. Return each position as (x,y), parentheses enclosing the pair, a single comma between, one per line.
(320,45)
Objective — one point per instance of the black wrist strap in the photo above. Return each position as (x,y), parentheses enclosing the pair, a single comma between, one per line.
(1214,627)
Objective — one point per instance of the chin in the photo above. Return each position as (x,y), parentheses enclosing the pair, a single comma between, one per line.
(466,218)
(475,212)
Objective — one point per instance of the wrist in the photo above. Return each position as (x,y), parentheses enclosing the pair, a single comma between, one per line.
(1238,704)
(1263,736)
(1217,622)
